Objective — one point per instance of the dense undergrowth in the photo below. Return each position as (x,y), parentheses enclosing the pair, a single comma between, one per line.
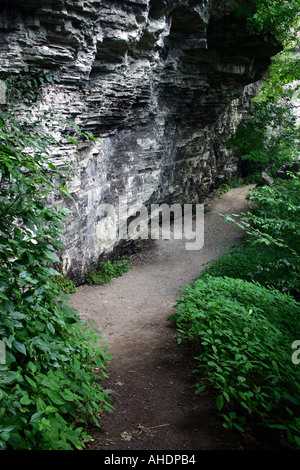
(243,317)
(64,283)
(107,271)
(242,333)
(269,254)
(50,378)
(242,314)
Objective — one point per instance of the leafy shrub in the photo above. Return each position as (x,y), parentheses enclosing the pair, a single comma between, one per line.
(263,264)
(50,383)
(243,330)
(65,284)
(243,333)
(270,254)
(275,217)
(276,16)
(107,271)
(267,137)
(26,88)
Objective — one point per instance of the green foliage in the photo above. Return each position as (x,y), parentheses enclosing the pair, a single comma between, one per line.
(242,334)
(242,316)
(274,223)
(65,284)
(263,264)
(25,88)
(234,182)
(275,217)
(50,384)
(107,271)
(270,252)
(275,16)
(267,137)
(283,76)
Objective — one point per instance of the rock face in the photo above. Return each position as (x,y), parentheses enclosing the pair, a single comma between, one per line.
(160,83)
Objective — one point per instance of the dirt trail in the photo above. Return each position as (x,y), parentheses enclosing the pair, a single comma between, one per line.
(151,378)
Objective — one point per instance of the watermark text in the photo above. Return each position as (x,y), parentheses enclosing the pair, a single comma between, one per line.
(2,352)
(296,354)
(182,222)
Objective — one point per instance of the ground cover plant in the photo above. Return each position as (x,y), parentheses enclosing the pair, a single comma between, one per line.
(263,265)
(50,380)
(107,271)
(242,314)
(269,254)
(268,136)
(65,284)
(242,335)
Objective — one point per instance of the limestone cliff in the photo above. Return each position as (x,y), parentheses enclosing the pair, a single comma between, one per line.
(161,83)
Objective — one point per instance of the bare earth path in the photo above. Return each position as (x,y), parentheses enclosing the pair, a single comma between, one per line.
(150,377)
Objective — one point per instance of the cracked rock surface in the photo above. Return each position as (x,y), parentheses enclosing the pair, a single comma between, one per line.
(160,83)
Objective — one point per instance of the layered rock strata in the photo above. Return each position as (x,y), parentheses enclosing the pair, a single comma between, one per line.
(160,83)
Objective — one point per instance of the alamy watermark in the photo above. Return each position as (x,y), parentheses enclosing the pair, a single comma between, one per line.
(296,354)
(2,92)
(2,352)
(182,222)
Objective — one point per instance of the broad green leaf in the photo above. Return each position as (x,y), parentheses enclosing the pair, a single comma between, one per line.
(51,328)
(55,397)
(25,400)
(8,377)
(220,402)
(73,141)
(201,389)
(51,256)
(36,417)
(20,347)
(40,404)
